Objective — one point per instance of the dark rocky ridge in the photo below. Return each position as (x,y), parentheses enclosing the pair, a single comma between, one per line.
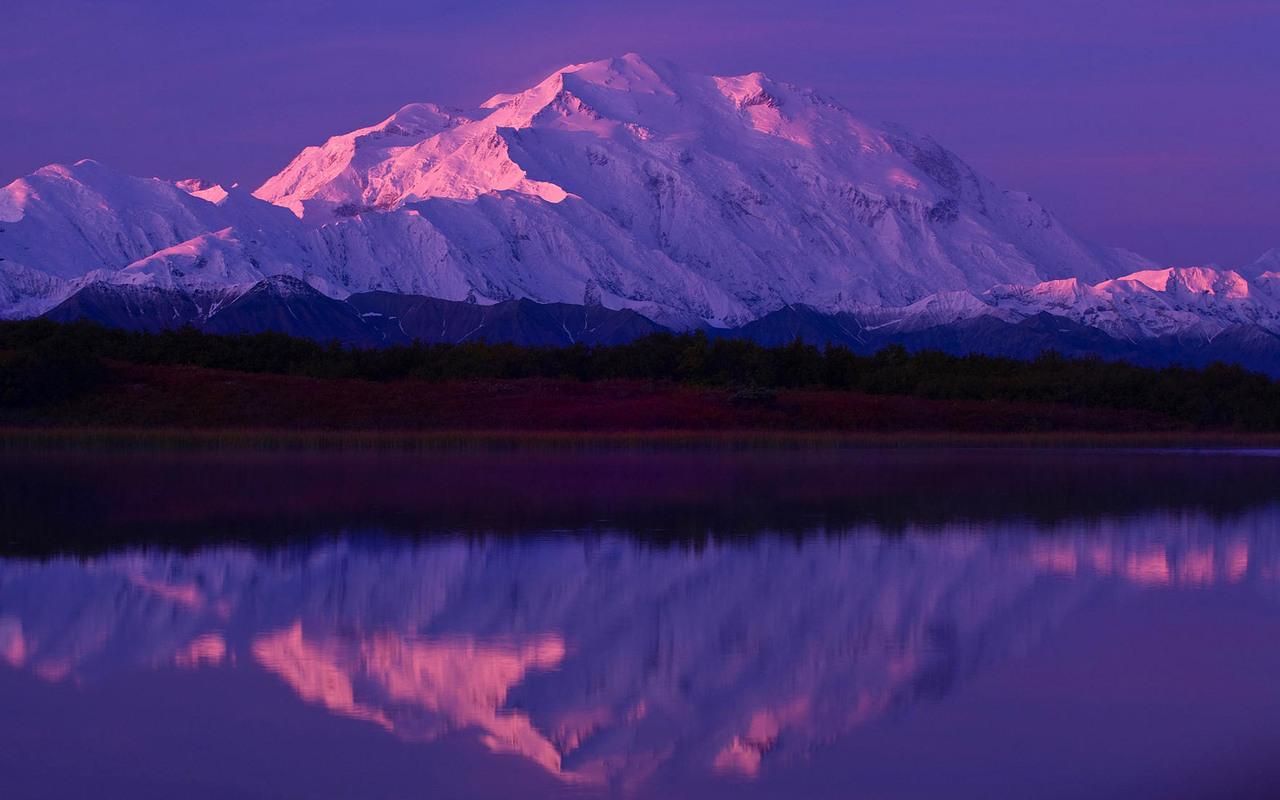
(372,319)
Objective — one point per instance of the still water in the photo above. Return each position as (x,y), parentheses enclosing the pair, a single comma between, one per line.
(667,625)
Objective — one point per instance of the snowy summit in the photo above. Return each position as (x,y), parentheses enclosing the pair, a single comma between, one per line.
(695,200)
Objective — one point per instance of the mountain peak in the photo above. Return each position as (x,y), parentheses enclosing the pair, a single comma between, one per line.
(1151,303)
(690,198)
(1267,262)
(203,189)
(1205,281)
(629,72)
(610,91)
(283,286)
(66,171)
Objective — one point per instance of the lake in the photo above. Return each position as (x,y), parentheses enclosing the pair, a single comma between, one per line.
(658,623)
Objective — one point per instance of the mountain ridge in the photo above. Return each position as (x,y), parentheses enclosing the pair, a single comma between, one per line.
(693,200)
(955,323)
(283,304)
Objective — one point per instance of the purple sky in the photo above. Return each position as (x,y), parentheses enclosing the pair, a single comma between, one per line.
(1150,124)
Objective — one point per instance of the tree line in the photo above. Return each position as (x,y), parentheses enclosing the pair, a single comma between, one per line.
(43,362)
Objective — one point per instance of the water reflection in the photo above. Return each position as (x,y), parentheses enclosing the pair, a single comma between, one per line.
(606,660)
(84,502)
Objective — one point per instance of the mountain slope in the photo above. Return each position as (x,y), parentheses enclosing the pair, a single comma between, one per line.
(372,319)
(145,308)
(690,199)
(805,323)
(284,304)
(64,226)
(431,320)
(771,193)
(1195,300)
(288,305)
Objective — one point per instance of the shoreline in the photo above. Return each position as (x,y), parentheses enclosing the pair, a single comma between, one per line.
(122,439)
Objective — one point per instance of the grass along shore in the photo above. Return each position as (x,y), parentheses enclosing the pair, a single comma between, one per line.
(185,386)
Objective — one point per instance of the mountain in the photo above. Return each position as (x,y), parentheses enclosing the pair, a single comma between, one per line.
(693,200)
(806,323)
(429,319)
(288,305)
(68,227)
(953,323)
(743,194)
(1190,316)
(986,334)
(65,226)
(1267,263)
(133,308)
(1196,301)
(281,304)
(613,199)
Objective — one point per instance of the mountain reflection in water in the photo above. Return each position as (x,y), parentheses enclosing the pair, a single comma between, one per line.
(645,623)
(605,660)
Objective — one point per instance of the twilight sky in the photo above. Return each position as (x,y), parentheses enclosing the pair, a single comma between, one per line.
(1149,124)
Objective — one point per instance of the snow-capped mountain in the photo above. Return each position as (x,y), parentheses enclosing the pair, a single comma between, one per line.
(691,199)
(69,227)
(1191,316)
(1268,264)
(1194,302)
(603,660)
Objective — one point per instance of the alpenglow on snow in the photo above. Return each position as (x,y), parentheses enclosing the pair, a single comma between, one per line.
(694,200)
